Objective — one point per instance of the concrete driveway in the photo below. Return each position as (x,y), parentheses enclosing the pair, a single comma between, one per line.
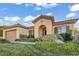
(22,42)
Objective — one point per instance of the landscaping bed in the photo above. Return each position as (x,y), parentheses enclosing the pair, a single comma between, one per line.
(68,48)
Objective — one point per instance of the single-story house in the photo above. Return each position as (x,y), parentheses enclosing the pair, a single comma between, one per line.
(43,25)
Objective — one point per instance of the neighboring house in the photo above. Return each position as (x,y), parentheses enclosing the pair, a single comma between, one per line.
(43,25)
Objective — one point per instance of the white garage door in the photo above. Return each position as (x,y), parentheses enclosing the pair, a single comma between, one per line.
(11,35)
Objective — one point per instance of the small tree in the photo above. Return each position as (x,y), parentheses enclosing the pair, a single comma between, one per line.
(1,32)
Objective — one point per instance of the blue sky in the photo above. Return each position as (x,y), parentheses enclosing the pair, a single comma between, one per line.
(25,13)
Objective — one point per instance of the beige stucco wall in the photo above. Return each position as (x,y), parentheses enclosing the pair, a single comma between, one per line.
(49,27)
(47,23)
(23,31)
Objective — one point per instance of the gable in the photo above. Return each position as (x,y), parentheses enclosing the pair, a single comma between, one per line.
(43,22)
(45,17)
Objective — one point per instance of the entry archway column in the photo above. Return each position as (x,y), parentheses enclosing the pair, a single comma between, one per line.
(36,34)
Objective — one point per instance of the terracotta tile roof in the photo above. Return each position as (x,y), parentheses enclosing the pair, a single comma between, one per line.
(17,25)
(44,17)
(2,27)
(31,27)
(65,22)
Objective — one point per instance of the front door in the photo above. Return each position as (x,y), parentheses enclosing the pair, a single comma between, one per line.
(42,31)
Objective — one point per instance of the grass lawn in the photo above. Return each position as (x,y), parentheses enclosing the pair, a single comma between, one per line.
(9,49)
(41,48)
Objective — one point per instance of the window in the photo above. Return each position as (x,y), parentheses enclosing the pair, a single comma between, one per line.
(63,29)
(67,28)
(31,33)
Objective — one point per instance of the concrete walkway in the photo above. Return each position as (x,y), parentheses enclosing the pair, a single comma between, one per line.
(22,42)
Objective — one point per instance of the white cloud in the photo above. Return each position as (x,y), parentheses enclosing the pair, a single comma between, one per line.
(30,18)
(38,8)
(16,18)
(49,14)
(6,18)
(12,18)
(39,1)
(70,15)
(74,7)
(46,5)
(19,3)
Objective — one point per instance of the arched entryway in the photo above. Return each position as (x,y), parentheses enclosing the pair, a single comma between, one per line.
(42,30)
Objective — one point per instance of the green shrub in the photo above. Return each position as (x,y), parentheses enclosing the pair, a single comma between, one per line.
(26,36)
(66,36)
(30,36)
(50,37)
(58,48)
(47,45)
(1,32)
(3,41)
(23,36)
